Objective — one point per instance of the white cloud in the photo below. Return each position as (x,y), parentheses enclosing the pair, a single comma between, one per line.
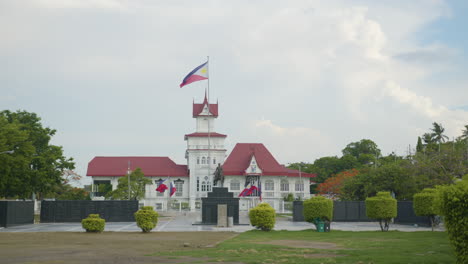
(99,4)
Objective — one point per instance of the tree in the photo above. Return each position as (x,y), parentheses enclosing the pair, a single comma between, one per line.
(365,151)
(383,208)
(419,146)
(36,166)
(438,133)
(332,186)
(464,135)
(137,187)
(424,204)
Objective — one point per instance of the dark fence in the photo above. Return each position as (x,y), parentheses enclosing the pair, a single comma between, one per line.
(355,211)
(16,213)
(75,211)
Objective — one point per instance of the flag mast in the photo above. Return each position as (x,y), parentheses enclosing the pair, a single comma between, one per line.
(209,111)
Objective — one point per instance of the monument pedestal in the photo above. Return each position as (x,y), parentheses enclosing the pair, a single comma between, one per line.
(220,196)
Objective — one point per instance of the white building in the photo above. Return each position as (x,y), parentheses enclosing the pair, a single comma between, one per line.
(249,164)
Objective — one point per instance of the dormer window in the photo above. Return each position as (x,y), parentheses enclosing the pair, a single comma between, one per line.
(253,168)
(253,162)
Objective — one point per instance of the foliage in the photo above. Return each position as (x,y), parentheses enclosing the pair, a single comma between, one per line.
(419,146)
(36,166)
(146,218)
(365,150)
(383,208)
(93,223)
(332,186)
(424,204)
(289,197)
(137,187)
(454,206)
(318,207)
(263,216)
(68,192)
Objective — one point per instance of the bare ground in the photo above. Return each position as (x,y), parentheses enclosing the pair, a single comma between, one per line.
(103,248)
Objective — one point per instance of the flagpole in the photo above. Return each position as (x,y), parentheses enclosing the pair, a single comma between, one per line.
(209,111)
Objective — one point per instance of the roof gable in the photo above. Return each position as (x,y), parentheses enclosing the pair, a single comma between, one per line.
(202,109)
(150,166)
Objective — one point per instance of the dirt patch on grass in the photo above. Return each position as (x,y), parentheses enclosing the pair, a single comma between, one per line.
(107,247)
(302,244)
(323,255)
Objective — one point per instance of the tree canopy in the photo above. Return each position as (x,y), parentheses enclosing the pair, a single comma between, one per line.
(35,166)
(138,181)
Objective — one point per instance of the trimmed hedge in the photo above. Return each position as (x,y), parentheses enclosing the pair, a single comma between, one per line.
(263,216)
(93,223)
(383,208)
(318,207)
(424,204)
(454,206)
(146,218)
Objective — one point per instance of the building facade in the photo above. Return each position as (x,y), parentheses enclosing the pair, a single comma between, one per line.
(248,164)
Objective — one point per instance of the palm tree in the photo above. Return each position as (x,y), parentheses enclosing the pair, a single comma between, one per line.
(465,133)
(438,133)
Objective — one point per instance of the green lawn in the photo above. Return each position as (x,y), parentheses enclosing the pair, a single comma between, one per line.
(334,247)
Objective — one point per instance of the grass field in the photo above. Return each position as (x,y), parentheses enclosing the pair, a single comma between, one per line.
(334,247)
(226,247)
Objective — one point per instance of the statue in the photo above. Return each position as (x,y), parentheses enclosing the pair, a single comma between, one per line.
(218,176)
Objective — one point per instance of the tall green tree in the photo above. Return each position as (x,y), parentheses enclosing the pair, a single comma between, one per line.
(365,151)
(138,181)
(419,146)
(36,166)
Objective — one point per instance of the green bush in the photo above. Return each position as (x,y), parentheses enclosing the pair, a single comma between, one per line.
(93,223)
(424,204)
(262,216)
(454,206)
(318,208)
(383,208)
(146,218)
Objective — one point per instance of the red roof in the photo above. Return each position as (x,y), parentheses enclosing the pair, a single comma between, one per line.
(240,157)
(198,108)
(213,134)
(150,166)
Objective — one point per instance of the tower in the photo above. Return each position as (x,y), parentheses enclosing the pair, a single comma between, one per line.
(205,150)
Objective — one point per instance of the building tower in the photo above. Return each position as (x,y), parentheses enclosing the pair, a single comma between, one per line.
(205,150)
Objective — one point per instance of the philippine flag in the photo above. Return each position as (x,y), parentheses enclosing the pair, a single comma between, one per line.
(172,189)
(161,186)
(198,74)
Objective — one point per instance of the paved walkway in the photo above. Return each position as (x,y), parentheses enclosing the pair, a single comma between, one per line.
(187,221)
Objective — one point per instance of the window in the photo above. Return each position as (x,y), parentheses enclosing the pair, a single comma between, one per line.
(254,168)
(299,186)
(214,160)
(235,185)
(203,186)
(203,160)
(159,206)
(269,185)
(206,186)
(198,160)
(284,186)
(179,188)
(198,184)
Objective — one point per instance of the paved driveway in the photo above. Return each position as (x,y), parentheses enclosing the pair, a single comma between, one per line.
(187,221)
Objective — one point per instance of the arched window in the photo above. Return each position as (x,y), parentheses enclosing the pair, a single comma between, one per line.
(284,186)
(203,160)
(299,186)
(269,185)
(234,185)
(203,186)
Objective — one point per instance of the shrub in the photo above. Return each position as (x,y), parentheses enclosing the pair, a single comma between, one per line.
(146,218)
(262,216)
(454,206)
(93,223)
(318,208)
(424,204)
(383,208)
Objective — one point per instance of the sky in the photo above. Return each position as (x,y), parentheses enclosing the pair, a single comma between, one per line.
(305,78)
